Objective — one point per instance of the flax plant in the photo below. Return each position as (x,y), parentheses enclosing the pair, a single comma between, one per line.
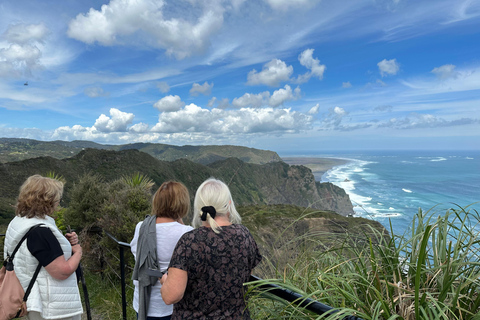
(430,272)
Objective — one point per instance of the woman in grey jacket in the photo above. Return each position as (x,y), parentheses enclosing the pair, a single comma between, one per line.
(153,244)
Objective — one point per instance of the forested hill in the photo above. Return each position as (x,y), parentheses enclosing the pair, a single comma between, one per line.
(270,183)
(14,149)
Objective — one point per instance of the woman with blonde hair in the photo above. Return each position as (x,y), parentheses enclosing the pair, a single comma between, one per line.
(55,293)
(153,244)
(211,263)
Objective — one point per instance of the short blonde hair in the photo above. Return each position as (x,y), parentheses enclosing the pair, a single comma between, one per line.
(38,197)
(215,193)
(172,200)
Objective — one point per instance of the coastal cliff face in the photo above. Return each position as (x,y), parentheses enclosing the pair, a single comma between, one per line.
(280,183)
(250,184)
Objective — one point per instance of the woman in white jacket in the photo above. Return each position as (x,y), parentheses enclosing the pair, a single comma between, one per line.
(55,294)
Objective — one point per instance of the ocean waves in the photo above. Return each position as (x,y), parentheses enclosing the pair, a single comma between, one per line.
(394,186)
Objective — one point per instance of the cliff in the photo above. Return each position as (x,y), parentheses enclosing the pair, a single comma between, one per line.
(271,183)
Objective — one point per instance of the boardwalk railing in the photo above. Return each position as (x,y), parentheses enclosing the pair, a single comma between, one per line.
(287,295)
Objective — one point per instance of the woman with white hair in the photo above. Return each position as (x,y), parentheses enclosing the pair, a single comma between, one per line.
(211,263)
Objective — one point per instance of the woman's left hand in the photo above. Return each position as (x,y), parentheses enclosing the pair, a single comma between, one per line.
(72,238)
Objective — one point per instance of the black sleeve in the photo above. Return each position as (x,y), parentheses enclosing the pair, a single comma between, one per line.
(43,245)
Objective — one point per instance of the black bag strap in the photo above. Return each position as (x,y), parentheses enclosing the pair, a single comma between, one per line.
(23,239)
(32,282)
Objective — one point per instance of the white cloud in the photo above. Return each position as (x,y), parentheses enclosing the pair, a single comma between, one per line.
(346,84)
(139,127)
(21,53)
(272,74)
(169,104)
(95,92)
(132,21)
(205,89)
(445,71)
(117,122)
(244,121)
(23,33)
(388,67)
(314,109)
(313,64)
(280,96)
(252,100)
(163,87)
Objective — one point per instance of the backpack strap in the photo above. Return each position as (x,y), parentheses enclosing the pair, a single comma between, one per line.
(23,239)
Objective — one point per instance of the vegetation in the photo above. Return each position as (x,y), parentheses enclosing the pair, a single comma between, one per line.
(431,272)
(14,149)
(270,183)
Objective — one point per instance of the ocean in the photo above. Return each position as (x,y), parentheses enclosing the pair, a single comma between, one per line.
(392,185)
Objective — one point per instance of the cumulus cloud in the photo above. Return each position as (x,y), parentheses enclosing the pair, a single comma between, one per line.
(251,100)
(444,72)
(313,64)
(346,84)
(388,67)
(314,109)
(117,122)
(139,127)
(192,119)
(272,74)
(169,104)
(21,56)
(95,92)
(205,89)
(163,87)
(263,99)
(280,96)
(132,21)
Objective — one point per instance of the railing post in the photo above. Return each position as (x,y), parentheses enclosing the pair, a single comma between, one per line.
(122,275)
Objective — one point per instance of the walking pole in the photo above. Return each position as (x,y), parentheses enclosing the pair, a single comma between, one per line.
(80,276)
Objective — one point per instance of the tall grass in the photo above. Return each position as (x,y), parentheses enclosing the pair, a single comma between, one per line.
(430,272)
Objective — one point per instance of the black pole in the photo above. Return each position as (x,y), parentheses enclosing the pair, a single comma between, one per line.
(122,275)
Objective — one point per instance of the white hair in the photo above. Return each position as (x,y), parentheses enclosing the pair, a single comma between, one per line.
(215,193)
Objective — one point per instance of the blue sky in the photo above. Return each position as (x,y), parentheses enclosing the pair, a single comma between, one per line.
(284,75)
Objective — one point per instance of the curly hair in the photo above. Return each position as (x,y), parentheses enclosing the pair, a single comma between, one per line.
(38,197)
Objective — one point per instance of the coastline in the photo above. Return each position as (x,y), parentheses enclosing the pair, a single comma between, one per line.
(318,165)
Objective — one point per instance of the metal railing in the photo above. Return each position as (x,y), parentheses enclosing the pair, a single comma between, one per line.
(287,295)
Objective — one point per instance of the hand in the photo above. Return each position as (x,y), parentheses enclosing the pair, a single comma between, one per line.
(77,249)
(163,278)
(72,238)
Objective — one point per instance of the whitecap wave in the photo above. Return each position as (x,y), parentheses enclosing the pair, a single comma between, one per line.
(468,158)
(406,190)
(438,159)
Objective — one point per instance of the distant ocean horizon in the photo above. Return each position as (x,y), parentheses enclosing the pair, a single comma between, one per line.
(392,185)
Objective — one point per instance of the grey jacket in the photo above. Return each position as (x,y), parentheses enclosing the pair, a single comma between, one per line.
(146,258)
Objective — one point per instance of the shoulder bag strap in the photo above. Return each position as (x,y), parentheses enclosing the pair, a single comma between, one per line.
(23,239)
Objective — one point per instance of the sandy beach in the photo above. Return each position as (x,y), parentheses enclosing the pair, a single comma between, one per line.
(318,165)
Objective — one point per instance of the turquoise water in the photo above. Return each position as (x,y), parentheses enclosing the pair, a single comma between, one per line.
(393,185)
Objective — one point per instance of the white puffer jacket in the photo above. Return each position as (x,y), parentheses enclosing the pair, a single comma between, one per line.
(53,298)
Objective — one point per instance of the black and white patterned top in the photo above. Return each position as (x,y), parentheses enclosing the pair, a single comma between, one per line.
(217,266)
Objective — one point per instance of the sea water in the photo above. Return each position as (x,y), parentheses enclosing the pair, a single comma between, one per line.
(392,186)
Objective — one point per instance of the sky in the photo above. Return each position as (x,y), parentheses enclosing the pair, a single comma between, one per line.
(290,76)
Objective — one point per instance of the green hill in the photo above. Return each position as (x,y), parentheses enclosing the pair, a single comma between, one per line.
(13,149)
(251,184)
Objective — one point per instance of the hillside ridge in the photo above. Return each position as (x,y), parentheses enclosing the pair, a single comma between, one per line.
(251,184)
